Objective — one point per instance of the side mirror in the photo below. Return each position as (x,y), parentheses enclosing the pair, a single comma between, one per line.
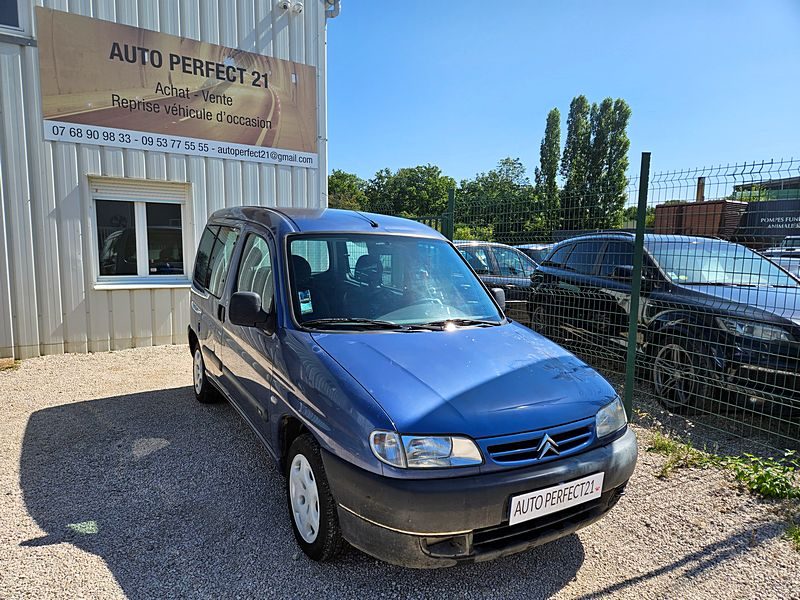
(245,310)
(623,272)
(500,297)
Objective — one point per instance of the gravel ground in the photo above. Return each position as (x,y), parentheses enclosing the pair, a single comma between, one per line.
(114,482)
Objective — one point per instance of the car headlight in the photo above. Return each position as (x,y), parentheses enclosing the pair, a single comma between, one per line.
(610,419)
(756,330)
(419,452)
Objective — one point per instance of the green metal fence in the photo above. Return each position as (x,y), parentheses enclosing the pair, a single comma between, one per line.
(681,286)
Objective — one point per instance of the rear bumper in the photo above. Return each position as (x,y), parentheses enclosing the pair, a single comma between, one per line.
(429,523)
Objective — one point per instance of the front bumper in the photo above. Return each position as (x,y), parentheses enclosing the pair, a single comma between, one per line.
(429,523)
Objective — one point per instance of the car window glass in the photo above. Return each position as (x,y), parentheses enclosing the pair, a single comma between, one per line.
(511,263)
(315,252)
(478,258)
(584,256)
(618,253)
(201,263)
(559,255)
(220,259)
(255,270)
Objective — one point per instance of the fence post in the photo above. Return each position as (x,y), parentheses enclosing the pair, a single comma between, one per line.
(450,215)
(636,283)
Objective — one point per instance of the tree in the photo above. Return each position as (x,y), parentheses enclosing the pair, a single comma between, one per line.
(575,165)
(502,202)
(547,172)
(409,192)
(616,172)
(346,190)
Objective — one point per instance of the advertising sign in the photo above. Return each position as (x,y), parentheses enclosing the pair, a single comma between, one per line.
(114,85)
(771,221)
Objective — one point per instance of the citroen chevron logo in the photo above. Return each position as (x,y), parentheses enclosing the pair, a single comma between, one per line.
(547,446)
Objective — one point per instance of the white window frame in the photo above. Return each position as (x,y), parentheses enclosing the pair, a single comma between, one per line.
(141,192)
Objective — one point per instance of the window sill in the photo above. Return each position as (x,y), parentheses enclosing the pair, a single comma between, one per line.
(142,284)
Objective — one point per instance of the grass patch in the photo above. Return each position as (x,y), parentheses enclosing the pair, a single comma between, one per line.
(680,455)
(793,535)
(8,364)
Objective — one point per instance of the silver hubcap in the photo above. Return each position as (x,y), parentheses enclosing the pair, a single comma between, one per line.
(305,498)
(674,373)
(198,371)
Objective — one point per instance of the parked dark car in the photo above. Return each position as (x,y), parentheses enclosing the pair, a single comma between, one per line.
(535,252)
(714,315)
(505,267)
(410,417)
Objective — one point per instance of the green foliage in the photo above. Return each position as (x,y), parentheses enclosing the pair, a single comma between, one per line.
(547,173)
(774,478)
(575,165)
(502,199)
(768,477)
(629,217)
(409,192)
(679,455)
(473,232)
(346,190)
(793,535)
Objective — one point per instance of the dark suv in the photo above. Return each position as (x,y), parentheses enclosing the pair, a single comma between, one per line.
(714,315)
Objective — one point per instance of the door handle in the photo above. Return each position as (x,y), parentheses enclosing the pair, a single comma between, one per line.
(221,313)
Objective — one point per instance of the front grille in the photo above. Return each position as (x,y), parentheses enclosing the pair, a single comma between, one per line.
(505,536)
(527,448)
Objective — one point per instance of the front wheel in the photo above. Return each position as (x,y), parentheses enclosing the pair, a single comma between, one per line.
(202,386)
(312,508)
(683,375)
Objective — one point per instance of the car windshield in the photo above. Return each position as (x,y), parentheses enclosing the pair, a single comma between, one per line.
(370,281)
(716,262)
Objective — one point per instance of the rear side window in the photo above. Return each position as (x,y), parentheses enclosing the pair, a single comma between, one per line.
(255,272)
(203,255)
(617,254)
(584,257)
(211,266)
(559,256)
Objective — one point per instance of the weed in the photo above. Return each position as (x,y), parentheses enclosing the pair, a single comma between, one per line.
(767,477)
(793,535)
(8,364)
(679,455)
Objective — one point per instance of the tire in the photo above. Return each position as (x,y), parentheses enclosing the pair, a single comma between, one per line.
(312,509)
(203,390)
(684,376)
(539,321)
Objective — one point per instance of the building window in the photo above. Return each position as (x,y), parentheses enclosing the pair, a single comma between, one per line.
(143,239)
(9,13)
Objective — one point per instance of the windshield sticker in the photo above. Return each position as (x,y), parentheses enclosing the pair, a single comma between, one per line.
(305,302)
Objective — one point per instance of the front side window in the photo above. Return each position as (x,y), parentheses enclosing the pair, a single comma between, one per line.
(478,258)
(429,283)
(559,256)
(139,238)
(255,272)
(617,254)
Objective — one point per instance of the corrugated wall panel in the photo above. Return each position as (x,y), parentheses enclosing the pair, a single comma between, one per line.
(48,303)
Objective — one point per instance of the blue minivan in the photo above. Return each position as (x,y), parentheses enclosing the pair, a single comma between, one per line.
(411,418)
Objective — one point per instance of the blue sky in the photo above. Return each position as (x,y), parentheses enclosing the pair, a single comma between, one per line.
(462,84)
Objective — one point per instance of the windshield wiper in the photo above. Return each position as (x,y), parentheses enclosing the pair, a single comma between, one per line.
(355,321)
(460,322)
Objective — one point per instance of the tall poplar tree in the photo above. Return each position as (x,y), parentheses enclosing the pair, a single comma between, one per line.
(547,172)
(575,165)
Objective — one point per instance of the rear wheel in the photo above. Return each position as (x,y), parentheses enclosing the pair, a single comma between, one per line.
(203,390)
(683,375)
(312,508)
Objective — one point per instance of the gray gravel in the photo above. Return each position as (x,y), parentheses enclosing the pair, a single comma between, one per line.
(113,482)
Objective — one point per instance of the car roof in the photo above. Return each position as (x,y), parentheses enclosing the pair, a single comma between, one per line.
(329,220)
(648,237)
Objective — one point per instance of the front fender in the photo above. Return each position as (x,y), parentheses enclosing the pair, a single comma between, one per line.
(695,327)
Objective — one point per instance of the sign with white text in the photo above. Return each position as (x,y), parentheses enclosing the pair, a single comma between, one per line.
(114,85)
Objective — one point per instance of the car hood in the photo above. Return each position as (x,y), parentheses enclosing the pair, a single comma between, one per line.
(478,381)
(755,302)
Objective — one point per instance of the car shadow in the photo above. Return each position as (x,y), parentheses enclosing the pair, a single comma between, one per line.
(180,499)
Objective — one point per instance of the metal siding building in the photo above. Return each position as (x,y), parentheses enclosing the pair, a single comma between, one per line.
(50,298)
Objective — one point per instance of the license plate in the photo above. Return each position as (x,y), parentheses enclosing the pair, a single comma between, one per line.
(549,500)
